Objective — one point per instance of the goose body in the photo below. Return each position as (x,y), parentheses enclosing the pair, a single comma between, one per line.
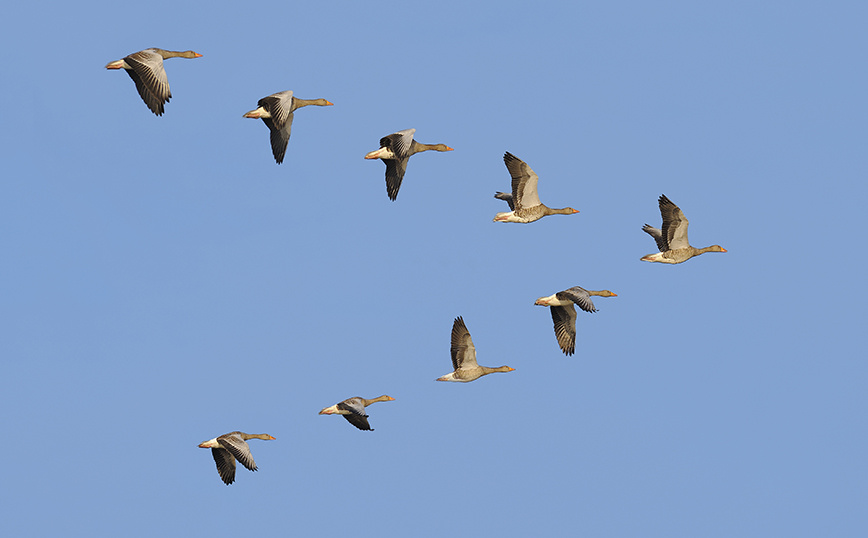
(353,409)
(276,111)
(230,447)
(464,357)
(146,69)
(395,151)
(564,313)
(524,200)
(672,238)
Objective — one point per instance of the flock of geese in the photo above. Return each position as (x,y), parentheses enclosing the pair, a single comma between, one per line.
(146,69)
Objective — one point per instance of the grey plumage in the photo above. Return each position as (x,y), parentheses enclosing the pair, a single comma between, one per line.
(402,146)
(356,416)
(562,305)
(229,447)
(279,111)
(671,237)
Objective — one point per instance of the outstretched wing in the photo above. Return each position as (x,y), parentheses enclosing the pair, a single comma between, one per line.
(225,464)
(674,228)
(279,136)
(463,351)
(524,182)
(146,70)
(564,318)
(578,295)
(239,448)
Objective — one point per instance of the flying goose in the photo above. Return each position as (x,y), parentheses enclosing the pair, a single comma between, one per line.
(353,409)
(464,357)
(564,313)
(146,69)
(229,447)
(524,201)
(396,150)
(276,111)
(672,239)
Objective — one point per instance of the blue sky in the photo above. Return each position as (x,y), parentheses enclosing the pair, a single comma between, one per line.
(165,282)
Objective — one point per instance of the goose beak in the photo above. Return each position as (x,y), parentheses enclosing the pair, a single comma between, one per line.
(449,149)
(198,55)
(329,103)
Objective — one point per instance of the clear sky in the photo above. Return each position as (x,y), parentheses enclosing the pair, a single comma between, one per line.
(164,281)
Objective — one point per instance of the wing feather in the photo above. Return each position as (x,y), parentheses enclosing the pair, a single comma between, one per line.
(462,350)
(578,295)
(239,448)
(564,318)
(674,228)
(146,70)
(225,464)
(524,182)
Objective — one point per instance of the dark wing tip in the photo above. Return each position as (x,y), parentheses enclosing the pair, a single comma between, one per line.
(664,201)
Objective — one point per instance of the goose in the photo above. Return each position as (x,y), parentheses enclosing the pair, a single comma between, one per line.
(353,409)
(564,313)
(229,447)
(524,201)
(146,69)
(672,239)
(464,357)
(276,111)
(396,150)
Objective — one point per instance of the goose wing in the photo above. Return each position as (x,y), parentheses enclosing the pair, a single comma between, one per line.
(239,448)
(463,351)
(279,106)
(674,228)
(356,409)
(564,318)
(146,70)
(662,246)
(399,142)
(524,182)
(506,197)
(578,295)
(225,464)
(395,170)
(279,136)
